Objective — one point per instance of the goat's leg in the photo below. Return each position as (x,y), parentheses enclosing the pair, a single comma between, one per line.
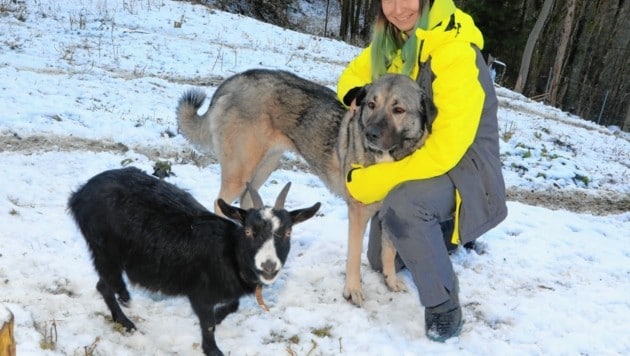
(224,310)
(123,296)
(119,286)
(207,322)
(358,216)
(112,274)
(388,256)
(110,299)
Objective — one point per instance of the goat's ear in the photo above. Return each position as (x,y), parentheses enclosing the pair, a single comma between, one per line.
(232,212)
(304,214)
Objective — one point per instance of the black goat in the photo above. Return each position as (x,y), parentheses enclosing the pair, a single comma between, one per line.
(166,241)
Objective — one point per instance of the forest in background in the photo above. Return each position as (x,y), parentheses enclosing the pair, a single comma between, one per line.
(571,54)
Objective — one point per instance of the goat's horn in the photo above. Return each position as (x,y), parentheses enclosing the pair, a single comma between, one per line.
(282,197)
(256,199)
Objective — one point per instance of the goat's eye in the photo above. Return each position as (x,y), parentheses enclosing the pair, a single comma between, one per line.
(249,232)
(371,105)
(399,110)
(286,234)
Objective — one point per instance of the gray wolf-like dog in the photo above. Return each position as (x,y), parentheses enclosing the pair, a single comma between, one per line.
(256,116)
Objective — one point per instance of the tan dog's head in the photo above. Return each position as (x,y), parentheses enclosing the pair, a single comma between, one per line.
(394,115)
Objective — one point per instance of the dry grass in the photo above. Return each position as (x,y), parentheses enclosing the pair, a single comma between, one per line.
(13,8)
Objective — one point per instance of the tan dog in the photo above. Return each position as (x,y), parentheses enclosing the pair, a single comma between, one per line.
(256,116)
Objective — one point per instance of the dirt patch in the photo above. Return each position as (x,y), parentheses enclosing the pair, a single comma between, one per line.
(52,143)
(594,202)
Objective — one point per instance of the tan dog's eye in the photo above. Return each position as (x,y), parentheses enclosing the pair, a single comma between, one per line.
(371,105)
(399,110)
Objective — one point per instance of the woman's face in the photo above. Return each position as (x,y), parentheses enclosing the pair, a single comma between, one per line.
(401,13)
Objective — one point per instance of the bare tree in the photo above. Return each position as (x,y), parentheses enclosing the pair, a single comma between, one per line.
(565,39)
(356,19)
(347,15)
(369,10)
(531,42)
(626,124)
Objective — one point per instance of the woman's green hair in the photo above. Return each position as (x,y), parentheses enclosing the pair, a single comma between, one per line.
(387,40)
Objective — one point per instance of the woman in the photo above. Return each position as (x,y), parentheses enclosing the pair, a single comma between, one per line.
(451,190)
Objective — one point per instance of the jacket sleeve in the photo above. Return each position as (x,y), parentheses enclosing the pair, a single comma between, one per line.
(357,74)
(458,97)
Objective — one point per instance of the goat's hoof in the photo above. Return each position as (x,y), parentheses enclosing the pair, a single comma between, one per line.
(212,351)
(126,324)
(354,295)
(395,285)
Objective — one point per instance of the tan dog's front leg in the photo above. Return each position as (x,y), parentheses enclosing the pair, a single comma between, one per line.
(388,256)
(358,216)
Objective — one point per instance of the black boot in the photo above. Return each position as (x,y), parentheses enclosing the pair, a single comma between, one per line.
(444,321)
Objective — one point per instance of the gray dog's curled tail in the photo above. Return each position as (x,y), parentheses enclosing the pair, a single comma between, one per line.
(192,125)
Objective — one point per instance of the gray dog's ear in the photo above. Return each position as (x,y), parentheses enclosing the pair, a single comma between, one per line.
(430,111)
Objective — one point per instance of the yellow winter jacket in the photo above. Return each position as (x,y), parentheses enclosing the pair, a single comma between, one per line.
(457,94)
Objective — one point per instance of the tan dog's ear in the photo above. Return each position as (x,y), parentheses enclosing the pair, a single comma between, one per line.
(354,95)
(361,94)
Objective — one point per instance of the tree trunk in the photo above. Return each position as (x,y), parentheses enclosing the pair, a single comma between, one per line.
(565,39)
(7,340)
(354,28)
(626,124)
(347,15)
(356,20)
(529,47)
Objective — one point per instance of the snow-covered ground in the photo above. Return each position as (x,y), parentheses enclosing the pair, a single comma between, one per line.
(92,85)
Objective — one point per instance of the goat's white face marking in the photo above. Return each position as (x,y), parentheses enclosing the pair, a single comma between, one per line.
(267,214)
(267,254)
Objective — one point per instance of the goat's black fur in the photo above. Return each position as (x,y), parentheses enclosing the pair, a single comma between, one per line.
(166,241)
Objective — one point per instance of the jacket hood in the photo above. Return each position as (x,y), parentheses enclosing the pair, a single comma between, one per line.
(440,10)
(447,24)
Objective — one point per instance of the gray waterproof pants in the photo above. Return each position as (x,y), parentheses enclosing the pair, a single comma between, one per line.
(411,215)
